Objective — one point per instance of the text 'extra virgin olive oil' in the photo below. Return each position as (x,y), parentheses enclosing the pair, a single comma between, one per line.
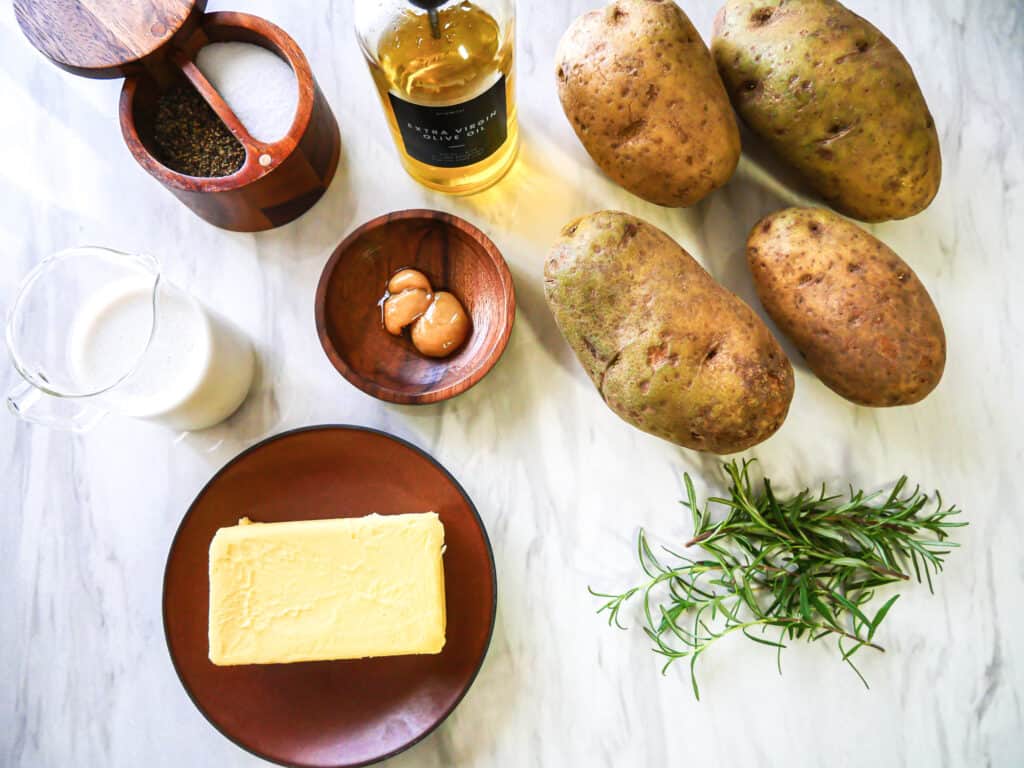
(444,71)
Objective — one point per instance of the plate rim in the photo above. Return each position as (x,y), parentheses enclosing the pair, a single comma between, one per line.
(242,455)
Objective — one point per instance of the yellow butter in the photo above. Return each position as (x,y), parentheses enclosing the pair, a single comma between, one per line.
(318,590)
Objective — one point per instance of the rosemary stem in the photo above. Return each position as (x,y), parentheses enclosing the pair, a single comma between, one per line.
(808,565)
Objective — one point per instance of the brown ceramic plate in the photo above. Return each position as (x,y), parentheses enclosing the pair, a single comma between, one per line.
(338,713)
(456,257)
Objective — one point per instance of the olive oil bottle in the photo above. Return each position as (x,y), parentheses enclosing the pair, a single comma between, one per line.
(444,71)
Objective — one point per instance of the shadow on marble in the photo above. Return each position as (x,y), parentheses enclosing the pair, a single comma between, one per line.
(494,695)
(538,192)
(760,185)
(322,227)
(534,311)
(773,174)
(501,397)
(258,417)
(726,220)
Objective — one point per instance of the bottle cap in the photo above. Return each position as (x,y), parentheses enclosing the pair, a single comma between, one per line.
(428,5)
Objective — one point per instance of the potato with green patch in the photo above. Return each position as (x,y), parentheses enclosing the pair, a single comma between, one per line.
(835,99)
(642,93)
(670,350)
(854,309)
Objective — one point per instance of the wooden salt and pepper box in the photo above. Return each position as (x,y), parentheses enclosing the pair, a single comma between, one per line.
(153,44)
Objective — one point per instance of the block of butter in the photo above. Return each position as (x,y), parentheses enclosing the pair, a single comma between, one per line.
(319,590)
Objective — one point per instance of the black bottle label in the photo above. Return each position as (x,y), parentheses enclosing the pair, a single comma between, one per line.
(455,136)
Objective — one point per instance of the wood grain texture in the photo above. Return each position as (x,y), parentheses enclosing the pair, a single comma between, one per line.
(105,38)
(456,257)
(258,196)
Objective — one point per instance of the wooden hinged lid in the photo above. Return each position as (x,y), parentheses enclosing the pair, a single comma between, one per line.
(104,38)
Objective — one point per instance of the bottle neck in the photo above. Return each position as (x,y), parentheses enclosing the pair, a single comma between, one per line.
(431,6)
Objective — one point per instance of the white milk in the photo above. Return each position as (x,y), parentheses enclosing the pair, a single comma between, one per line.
(194,373)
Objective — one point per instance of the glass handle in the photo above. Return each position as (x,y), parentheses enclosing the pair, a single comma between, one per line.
(32,405)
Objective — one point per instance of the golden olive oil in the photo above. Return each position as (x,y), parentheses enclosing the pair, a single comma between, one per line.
(447,85)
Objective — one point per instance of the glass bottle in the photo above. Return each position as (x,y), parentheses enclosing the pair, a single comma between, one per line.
(444,72)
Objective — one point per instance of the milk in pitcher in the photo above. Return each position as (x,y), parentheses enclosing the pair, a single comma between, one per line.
(193,369)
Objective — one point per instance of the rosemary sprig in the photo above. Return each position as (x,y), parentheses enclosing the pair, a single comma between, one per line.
(807,566)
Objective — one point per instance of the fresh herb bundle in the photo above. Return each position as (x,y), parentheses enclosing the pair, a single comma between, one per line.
(807,566)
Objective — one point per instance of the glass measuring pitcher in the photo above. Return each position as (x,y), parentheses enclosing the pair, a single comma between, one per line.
(94,330)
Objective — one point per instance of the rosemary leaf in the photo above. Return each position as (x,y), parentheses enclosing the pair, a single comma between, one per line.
(807,565)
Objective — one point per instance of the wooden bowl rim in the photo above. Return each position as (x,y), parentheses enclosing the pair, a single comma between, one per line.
(250,171)
(387,394)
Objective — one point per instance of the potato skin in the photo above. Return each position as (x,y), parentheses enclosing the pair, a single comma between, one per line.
(640,88)
(835,99)
(854,309)
(671,351)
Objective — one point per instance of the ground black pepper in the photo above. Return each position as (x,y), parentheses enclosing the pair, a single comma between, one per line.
(190,138)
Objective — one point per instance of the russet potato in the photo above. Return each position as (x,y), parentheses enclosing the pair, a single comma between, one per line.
(858,314)
(642,93)
(835,99)
(670,350)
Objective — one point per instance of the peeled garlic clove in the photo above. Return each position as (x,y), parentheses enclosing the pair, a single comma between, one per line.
(443,327)
(407,280)
(403,308)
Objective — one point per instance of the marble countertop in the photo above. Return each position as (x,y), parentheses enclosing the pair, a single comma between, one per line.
(561,483)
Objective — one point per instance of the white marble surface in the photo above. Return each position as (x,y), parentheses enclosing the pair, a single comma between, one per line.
(561,483)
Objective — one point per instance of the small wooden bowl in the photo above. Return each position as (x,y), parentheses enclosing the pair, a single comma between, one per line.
(280,180)
(457,257)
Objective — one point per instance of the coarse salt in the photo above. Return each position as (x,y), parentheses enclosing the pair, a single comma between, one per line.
(258,85)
